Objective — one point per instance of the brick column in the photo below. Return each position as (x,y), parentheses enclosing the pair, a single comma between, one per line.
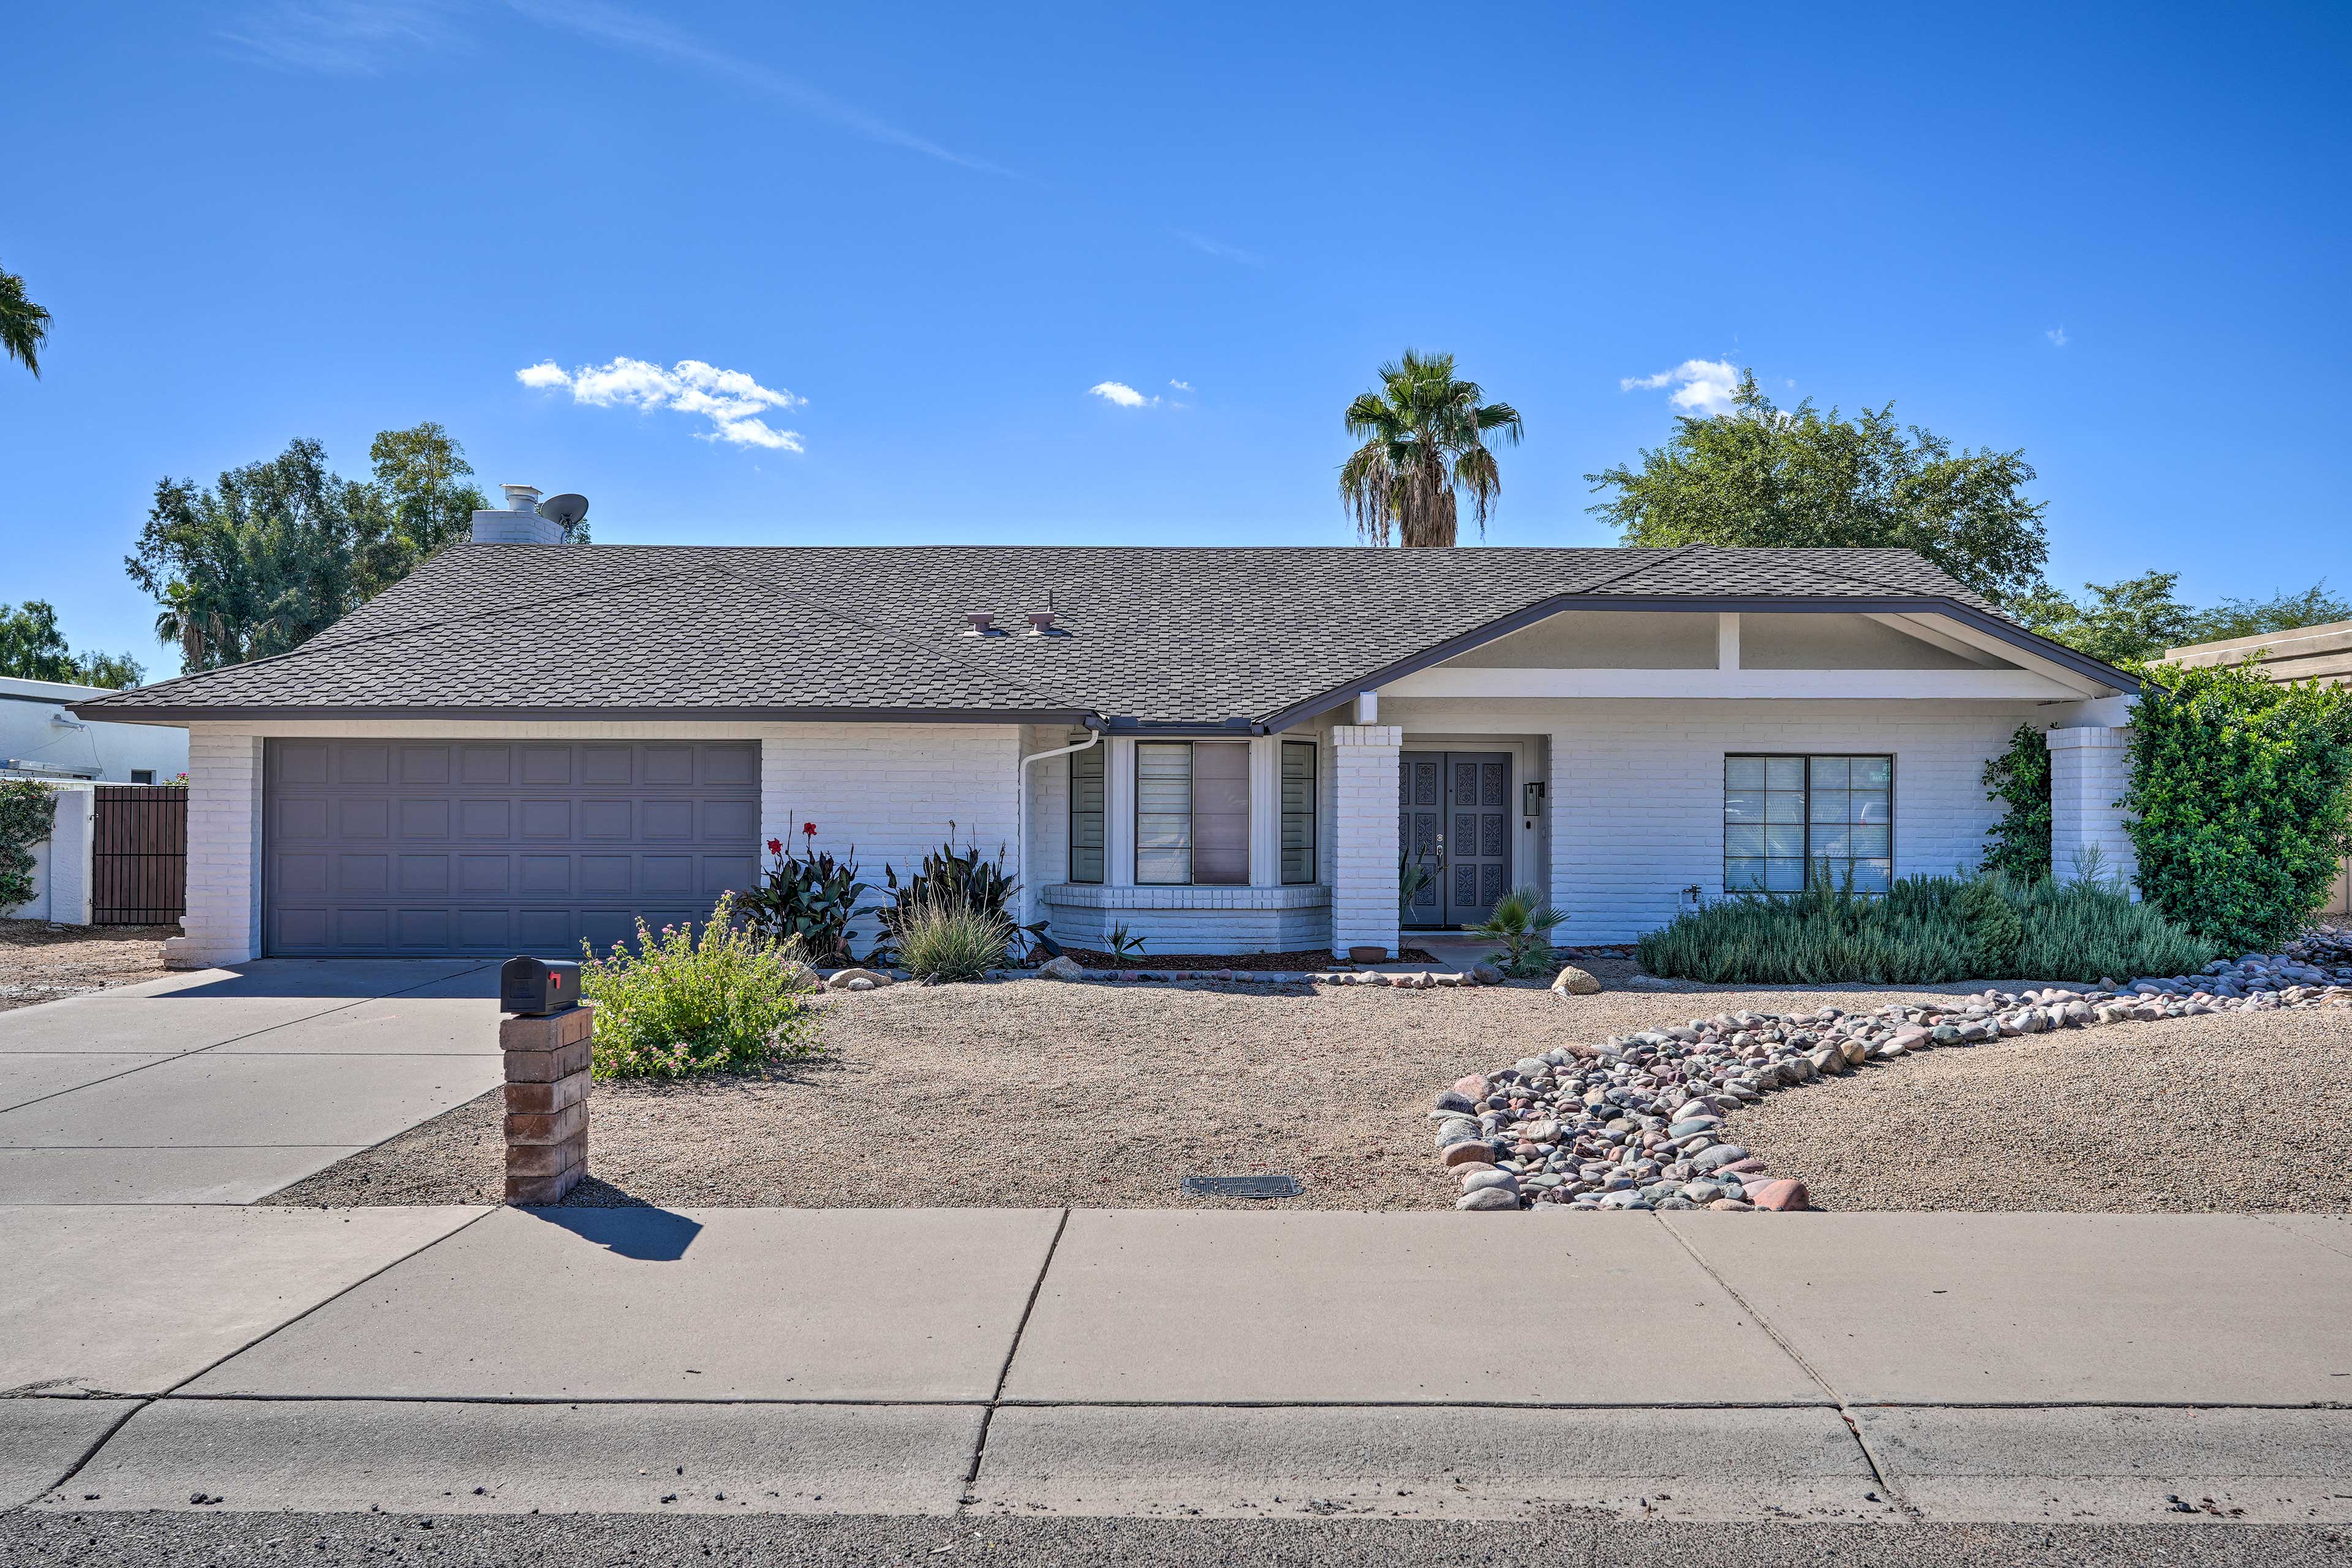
(547,1102)
(1364,835)
(223,917)
(2090,769)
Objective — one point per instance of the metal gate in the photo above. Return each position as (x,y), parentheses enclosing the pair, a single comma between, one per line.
(138,854)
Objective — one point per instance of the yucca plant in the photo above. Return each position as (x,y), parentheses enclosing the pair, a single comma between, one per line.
(1523,923)
(941,939)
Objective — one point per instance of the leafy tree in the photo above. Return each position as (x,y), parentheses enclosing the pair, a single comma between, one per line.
(1764,475)
(2282,612)
(2136,620)
(24,326)
(2123,623)
(276,551)
(1424,438)
(32,648)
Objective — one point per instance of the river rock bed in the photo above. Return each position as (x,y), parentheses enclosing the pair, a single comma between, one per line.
(1641,1121)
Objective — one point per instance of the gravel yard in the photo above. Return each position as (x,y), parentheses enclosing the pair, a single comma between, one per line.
(41,962)
(1034,1093)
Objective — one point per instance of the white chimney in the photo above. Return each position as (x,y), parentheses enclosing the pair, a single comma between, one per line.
(519,524)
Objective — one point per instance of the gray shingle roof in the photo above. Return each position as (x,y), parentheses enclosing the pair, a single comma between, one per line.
(1169,634)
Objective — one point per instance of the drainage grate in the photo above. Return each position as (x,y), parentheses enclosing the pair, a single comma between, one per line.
(1242,1187)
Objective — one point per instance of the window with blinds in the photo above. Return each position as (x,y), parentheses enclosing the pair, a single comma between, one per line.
(1191,812)
(1298,811)
(1086,800)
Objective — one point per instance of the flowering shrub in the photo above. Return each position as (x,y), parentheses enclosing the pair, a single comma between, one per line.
(686,1002)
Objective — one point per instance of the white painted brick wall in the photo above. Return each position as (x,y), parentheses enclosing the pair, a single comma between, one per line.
(222,924)
(2090,769)
(62,865)
(1637,793)
(1364,835)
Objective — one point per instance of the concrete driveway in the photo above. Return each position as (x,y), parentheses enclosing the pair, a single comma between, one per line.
(224,1085)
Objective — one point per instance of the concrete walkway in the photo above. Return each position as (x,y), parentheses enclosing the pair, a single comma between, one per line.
(224,1085)
(1890,1368)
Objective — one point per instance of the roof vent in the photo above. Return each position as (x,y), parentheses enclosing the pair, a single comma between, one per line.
(1041,624)
(983,623)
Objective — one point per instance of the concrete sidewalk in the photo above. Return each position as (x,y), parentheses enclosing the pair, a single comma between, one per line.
(1827,1367)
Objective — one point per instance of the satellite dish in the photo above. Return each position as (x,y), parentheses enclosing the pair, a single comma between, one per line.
(565,509)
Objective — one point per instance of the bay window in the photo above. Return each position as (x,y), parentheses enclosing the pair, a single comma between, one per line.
(1191,812)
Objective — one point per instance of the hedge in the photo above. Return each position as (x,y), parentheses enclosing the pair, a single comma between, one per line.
(2241,793)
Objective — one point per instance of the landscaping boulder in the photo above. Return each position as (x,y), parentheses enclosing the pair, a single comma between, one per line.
(840,979)
(1062,968)
(1487,975)
(1574,982)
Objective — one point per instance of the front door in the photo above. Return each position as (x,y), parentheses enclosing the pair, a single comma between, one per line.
(1453,814)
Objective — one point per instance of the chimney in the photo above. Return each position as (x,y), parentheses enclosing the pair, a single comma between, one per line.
(519,524)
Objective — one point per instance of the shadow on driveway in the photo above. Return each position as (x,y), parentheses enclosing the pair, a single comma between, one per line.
(642,1232)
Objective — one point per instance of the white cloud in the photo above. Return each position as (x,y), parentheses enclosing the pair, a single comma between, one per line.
(1701,385)
(2057,336)
(730,399)
(1218,249)
(341,37)
(1180,385)
(1119,391)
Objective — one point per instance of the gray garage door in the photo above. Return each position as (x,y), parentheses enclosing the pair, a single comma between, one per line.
(398,847)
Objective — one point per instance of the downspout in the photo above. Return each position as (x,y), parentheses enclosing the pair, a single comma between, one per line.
(1094,727)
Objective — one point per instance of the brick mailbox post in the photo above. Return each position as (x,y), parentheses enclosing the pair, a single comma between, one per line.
(547,1058)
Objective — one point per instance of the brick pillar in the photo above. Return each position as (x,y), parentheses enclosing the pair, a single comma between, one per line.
(2090,769)
(1364,835)
(547,1102)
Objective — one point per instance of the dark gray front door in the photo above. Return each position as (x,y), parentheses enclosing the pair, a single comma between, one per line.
(494,847)
(1455,820)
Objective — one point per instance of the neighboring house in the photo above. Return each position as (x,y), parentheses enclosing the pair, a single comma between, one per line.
(1226,750)
(41,738)
(2321,653)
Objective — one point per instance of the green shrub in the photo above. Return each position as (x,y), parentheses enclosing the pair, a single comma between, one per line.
(2019,776)
(2241,789)
(1925,931)
(954,875)
(689,1000)
(943,937)
(29,810)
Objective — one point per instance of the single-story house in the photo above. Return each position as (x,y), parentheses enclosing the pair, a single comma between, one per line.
(41,737)
(528,744)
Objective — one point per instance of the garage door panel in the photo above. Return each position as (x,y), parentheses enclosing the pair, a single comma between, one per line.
(485,818)
(544,818)
(495,848)
(484,876)
(546,764)
(363,818)
(423,764)
(363,764)
(607,818)
(303,819)
(423,820)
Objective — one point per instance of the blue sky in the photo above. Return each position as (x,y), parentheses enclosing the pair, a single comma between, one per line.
(2113,237)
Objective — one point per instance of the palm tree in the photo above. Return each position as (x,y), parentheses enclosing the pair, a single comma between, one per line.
(24,326)
(1424,438)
